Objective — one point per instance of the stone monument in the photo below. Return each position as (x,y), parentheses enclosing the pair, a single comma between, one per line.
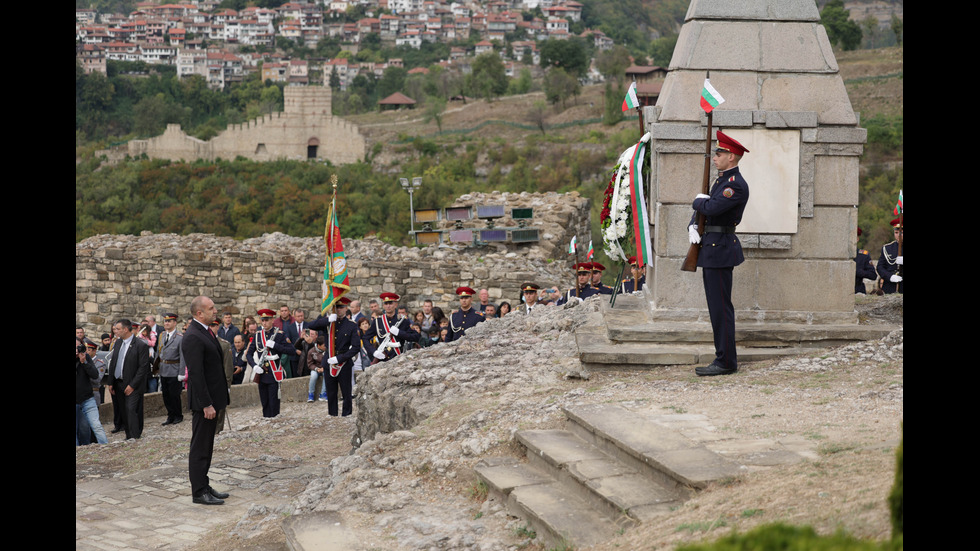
(785,101)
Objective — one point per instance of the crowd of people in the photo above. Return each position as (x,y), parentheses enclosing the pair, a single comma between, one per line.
(274,345)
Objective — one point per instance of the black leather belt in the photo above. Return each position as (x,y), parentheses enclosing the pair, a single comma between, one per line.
(719,229)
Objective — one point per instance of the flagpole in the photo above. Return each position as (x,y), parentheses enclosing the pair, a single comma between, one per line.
(691,261)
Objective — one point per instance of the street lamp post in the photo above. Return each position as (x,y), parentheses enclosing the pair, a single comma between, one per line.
(410,188)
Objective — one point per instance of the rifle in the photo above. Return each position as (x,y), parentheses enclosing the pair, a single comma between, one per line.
(691,261)
(260,360)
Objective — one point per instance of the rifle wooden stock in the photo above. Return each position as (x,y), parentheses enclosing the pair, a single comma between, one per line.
(691,261)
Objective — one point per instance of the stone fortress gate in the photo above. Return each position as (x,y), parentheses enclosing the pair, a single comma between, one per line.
(305,129)
(785,101)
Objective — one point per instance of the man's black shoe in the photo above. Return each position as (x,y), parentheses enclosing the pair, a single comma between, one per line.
(178,419)
(167,422)
(115,430)
(216,493)
(712,370)
(207,499)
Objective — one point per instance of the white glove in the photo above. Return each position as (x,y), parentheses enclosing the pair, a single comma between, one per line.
(702,196)
(332,318)
(257,370)
(181,378)
(692,234)
(332,360)
(394,331)
(895,278)
(899,261)
(379,354)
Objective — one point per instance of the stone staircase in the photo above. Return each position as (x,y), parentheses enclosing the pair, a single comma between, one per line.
(608,471)
(631,339)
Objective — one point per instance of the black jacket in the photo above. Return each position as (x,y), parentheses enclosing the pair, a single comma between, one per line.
(206,382)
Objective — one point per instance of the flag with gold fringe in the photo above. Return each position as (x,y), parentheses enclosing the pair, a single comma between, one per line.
(335,281)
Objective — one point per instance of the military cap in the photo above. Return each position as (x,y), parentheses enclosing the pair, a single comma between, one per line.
(390,297)
(344,301)
(729,144)
(169,316)
(596,267)
(266,313)
(898,223)
(583,267)
(465,292)
(529,287)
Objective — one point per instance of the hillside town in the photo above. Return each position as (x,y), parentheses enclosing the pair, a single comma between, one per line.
(224,45)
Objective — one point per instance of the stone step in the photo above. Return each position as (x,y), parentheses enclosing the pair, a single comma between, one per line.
(557,515)
(618,491)
(656,451)
(597,352)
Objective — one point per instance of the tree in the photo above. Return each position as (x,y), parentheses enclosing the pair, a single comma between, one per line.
(569,55)
(538,114)
(898,28)
(559,85)
(434,106)
(612,63)
(840,30)
(489,77)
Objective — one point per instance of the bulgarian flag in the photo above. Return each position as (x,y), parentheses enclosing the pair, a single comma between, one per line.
(588,255)
(571,246)
(638,204)
(710,98)
(335,281)
(899,209)
(631,101)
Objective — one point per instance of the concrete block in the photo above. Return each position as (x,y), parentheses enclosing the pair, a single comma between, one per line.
(771,10)
(824,94)
(835,180)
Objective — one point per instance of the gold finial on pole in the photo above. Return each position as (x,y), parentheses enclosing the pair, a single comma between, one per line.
(333,180)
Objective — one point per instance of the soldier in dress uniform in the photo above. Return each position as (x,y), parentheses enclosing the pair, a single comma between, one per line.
(530,292)
(338,360)
(721,250)
(890,263)
(584,271)
(171,363)
(465,317)
(863,269)
(268,336)
(389,324)
(636,282)
(597,270)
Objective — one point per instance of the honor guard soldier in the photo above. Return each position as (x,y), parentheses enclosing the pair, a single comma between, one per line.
(721,250)
(263,355)
(343,344)
(636,282)
(597,270)
(890,263)
(391,331)
(530,292)
(171,363)
(584,271)
(465,317)
(863,269)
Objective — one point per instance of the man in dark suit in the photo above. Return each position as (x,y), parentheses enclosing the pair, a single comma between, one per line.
(129,368)
(207,393)
(294,334)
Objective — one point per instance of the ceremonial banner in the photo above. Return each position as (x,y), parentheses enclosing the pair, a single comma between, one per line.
(335,281)
(641,222)
(710,98)
(631,101)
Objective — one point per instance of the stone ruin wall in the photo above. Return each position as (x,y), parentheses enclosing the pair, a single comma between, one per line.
(305,120)
(126,276)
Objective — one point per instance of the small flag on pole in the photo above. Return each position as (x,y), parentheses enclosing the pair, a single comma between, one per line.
(588,255)
(899,208)
(631,101)
(571,246)
(710,98)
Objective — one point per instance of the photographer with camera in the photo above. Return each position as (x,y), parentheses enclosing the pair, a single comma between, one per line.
(86,410)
